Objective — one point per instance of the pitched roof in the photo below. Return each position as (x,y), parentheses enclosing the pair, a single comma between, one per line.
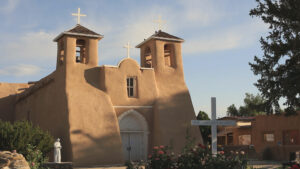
(79,30)
(237,118)
(161,36)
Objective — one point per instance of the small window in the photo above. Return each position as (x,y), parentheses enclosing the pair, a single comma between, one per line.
(80,51)
(291,137)
(169,55)
(244,139)
(269,137)
(61,52)
(148,58)
(131,87)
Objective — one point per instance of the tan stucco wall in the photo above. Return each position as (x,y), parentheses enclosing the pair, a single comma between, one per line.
(8,93)
(47,107)
(94,129)
(114,83)
(76,103)
(173,109)
(276,124)
(241,131)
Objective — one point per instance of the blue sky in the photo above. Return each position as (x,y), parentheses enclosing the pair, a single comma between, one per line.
(220,39)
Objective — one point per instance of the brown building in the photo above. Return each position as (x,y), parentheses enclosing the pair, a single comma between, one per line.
(274,135)
(107,114)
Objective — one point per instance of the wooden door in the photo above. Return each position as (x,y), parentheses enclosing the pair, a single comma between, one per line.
(133,146)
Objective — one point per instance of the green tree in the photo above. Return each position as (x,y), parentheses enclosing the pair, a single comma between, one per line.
(18,135)
(205,130)
(232,111)
(279,67)
(253,105)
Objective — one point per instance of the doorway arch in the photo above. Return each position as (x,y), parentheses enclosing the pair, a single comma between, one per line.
(134,134)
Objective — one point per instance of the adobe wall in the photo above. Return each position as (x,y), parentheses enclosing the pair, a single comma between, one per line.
(241,131)
(114,83)
(116,87)
(94,127)
(276,124)
(8,93)
(45,105)
(173,110)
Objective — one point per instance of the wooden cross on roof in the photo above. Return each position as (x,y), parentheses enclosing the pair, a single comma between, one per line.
(214,123)
(160,22)
(128,49)
(78,14)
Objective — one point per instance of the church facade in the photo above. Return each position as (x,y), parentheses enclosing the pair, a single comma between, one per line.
(107,114)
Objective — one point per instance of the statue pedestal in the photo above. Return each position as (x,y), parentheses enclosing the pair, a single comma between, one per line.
(62,165)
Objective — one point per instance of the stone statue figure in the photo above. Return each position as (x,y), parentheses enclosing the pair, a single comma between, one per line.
(57,153)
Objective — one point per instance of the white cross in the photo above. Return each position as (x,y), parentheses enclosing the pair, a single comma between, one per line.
(128,48)
(78,15)
(160,22)
(213,123)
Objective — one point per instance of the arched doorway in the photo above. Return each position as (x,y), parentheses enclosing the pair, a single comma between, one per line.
(134,133)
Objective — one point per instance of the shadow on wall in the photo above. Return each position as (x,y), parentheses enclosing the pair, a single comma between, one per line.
(94,77)
(175,103)
(88,154)
(7,107)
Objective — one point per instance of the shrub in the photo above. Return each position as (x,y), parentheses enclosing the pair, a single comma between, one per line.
(35,157)
(19,135)
(160,158)
(196,157)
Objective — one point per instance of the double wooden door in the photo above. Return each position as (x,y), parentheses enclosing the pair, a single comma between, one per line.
(133,146)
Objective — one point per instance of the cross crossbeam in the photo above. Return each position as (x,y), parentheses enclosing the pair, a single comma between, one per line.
(214,123)
(128,49)
(160,22)
(78,14)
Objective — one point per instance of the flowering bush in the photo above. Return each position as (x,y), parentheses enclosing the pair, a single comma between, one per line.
(192,158)
(160,158)
(295,166)
(35,157)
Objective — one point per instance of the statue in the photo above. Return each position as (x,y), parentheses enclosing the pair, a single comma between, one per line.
(57,153)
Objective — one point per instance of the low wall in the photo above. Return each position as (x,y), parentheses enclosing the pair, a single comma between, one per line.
(279,153)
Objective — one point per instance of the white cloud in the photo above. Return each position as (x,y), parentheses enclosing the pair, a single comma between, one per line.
(231,38)
(134,28)
(138,25)
(20,70)
(9,6)
(200,12)
(32,46)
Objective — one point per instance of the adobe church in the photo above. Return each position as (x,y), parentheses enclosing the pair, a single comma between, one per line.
(107,114)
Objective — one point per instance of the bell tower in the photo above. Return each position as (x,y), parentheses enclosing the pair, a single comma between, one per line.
(162,52)
(78,45)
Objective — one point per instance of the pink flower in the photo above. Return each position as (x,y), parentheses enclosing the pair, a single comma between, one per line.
(32,163)
(221,152)
(201,146)
(155,147)
(161,147)
(160,152)
(295,166)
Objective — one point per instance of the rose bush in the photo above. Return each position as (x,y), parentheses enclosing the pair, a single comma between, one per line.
(196,157)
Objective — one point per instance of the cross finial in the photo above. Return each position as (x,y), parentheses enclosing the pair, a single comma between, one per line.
(128,49)
(160,22)
(214,123)
(78,15)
